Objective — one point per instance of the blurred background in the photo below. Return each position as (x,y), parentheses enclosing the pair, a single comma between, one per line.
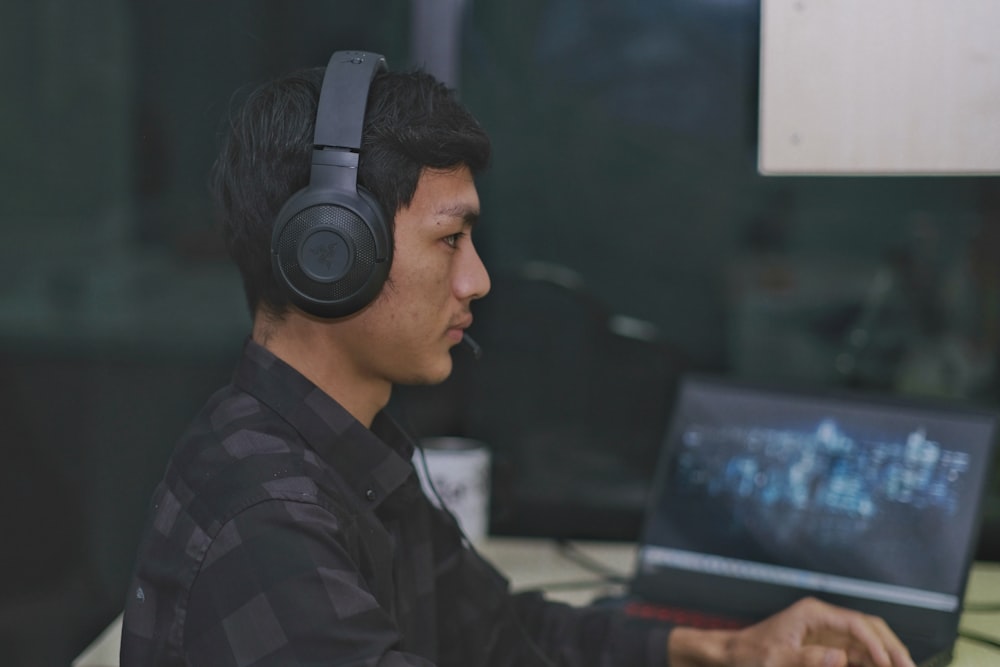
(630,238)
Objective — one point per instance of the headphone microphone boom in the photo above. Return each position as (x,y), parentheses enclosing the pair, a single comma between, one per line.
(477,351)
(331,246)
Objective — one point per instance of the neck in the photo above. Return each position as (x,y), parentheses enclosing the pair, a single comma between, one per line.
(311,346)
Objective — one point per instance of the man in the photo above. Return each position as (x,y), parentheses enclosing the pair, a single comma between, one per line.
(290,528)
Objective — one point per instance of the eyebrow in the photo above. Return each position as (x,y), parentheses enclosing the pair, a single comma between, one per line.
(469,215)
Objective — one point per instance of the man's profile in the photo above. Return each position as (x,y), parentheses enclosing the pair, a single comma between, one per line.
(290,527)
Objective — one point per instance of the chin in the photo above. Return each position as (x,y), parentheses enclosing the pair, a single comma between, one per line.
(439,377)
(431,375)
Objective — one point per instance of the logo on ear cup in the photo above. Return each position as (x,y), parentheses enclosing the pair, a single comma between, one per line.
(325,255)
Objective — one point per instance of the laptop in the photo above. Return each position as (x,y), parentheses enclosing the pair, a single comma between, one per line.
(764,495)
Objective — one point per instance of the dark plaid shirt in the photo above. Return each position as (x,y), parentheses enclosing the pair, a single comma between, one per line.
(286,533)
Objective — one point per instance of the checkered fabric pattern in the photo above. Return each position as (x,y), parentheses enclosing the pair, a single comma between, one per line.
(286,533)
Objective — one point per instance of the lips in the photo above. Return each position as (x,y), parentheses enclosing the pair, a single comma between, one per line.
(462,324)
(456,330)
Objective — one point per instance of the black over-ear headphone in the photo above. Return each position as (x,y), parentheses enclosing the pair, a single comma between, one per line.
(331,247)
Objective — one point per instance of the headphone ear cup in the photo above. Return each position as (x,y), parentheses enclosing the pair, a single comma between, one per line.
(331,251)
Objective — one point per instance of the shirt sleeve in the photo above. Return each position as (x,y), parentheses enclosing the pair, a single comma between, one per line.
(490,625)
(279,586)
(590,636)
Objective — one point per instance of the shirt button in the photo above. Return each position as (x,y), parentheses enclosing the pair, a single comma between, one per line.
(370,494)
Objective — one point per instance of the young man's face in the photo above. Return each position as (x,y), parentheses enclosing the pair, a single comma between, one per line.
(405,336)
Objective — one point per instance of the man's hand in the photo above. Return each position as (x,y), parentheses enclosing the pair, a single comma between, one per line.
(810,633)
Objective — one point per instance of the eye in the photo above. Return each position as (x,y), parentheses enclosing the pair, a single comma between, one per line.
(453,239)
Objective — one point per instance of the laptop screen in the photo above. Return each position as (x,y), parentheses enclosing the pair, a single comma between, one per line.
(763,495)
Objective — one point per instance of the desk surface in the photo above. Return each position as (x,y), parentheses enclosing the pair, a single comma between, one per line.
(544,564)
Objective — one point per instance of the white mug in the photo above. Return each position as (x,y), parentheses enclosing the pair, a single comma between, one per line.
(460,471)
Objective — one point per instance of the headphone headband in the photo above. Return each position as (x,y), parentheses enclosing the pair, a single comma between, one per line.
(340,117)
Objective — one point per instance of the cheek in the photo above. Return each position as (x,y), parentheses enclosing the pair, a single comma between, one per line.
(420,282)
(410,297)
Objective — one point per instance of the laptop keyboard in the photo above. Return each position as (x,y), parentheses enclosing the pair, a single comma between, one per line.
(679,616)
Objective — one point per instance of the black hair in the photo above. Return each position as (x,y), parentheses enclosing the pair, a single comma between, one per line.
(412,121)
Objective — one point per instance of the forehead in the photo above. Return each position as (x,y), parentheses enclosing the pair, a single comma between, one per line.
(445,194)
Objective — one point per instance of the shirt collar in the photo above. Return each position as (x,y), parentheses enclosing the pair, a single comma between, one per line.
(373,462)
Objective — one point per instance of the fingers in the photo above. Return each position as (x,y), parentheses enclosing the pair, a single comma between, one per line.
(899,655)
(819,656)
(884,648)
(808,656)
(812,633)
(876,643)
(862,630)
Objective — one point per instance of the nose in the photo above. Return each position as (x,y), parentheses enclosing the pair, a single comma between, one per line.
(472,280)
